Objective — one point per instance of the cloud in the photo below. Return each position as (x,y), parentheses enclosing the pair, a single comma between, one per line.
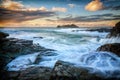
(11,5)
(43,8)
(71,5)
(94,5)
(115,7)
(19,16)
(59,9)
(14,5)
(91,18)
(12,11)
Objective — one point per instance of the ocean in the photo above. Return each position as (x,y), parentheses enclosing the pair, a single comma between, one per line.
(74,45)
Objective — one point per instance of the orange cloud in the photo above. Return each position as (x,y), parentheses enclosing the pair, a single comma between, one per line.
(94,5)
(18,6)
(11,5)
(43,8)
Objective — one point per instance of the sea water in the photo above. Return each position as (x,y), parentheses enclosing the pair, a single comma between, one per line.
(75,45)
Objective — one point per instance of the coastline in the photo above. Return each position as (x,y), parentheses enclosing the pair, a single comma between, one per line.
(59,71)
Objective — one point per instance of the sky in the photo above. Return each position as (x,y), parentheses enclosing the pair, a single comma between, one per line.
(50,13)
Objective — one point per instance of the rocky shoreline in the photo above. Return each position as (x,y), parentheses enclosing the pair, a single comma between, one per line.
(12,47)
(112,47)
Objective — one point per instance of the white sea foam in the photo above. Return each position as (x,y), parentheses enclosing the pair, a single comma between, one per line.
(22,62)
(111,40)
(107,63)
(71,45)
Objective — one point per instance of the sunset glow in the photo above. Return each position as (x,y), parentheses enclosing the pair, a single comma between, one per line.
(47,13)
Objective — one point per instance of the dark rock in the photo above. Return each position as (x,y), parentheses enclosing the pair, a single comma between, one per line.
(115,32)
(67,71)
(3,35)
(10,48)
(35,73)
(38,59)
(67,26)
(14,47)
(38,37)
(31,73)
(100,30)
(4,75)
(13,75)
(114,48)
(48,52)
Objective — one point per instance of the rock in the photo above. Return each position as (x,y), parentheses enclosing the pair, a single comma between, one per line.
(35,73)
(10,48)
(100,29)
(13,75)
(31,73)
(67,71)
(114,48)
(3,35)
(4,75)
(115,32)
(14,47)
(38,59)
(68,26)
(38,37)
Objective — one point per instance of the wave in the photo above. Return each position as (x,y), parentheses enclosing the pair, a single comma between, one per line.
(70,45)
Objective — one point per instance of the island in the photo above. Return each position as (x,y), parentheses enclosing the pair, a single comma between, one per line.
(68,26)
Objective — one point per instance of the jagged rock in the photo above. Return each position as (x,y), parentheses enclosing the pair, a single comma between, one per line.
(67,71)
(100,30)
(31,73)
(4,75)
(3,35)
(10,48)
(35,73)
(38,37)
(13,75)
(114,48)
(115,32)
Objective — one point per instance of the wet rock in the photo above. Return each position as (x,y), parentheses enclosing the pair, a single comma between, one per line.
(115,32)
(3,35)
(100,30)
(48,52)
(35,73)
(3,38)
(67,71)
(38,59)
(38,37)
(4,75)
(13,75)
(114,48)
(11,48)
(14,47)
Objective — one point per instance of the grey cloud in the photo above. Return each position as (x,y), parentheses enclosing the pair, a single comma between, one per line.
(114,7)
(19,16)
(111,4)
(91,18)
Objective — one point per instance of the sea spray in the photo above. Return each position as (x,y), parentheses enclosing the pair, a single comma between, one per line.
(71,45)
(104,63)
(22,62)
(110,40)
